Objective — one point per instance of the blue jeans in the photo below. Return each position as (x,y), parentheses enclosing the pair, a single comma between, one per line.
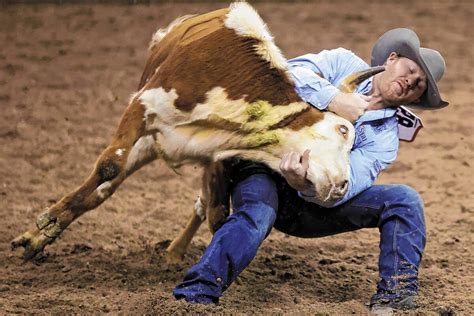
(260,203)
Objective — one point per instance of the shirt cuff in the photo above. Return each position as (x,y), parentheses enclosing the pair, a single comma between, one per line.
(323,97)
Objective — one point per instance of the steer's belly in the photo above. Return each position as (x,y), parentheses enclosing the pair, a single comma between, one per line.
(194,143)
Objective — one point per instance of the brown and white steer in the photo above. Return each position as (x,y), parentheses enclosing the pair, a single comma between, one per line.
(215,86)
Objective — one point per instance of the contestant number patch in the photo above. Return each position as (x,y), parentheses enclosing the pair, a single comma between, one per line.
(408,124)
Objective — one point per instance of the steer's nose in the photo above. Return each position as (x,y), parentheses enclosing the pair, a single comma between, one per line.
(339,190)
(343,185)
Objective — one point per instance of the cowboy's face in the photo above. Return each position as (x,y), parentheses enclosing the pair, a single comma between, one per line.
(402,82)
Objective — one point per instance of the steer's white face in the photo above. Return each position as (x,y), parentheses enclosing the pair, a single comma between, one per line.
(330,141)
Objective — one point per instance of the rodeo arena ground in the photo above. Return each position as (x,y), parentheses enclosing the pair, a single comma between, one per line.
(68,72)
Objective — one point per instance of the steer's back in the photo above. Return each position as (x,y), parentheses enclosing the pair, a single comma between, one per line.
(165,40)
(216,82)
(207,50)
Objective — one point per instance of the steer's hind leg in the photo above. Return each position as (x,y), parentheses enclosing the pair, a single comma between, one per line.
(218,191)
(176,250)
(213,204)
(128,152)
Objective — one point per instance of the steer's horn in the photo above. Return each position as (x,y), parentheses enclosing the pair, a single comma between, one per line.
(350,83)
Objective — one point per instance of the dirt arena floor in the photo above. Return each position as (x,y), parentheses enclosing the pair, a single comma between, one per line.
(66,73)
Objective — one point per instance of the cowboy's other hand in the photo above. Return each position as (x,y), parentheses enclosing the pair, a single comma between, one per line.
(349,105)
(294,167)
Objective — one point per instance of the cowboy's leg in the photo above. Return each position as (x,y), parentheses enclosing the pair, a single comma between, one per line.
(402,241)
(397,210)
(235,244)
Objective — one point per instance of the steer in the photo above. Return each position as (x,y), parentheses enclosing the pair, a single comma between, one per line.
(215,86)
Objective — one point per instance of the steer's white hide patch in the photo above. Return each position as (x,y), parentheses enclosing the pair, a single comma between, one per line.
(143,148)
(103,190)
(199,207)
(194,142)
(119,152)
(219,107)
(235,114)
(246,22)
(160,109)
(328,127)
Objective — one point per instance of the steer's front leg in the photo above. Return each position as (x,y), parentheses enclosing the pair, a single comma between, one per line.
(102,182)
(129,151)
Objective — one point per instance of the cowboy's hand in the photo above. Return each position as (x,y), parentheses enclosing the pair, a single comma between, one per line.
(349,105)
(294,167)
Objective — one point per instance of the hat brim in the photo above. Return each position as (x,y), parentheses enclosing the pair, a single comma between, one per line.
(406,43)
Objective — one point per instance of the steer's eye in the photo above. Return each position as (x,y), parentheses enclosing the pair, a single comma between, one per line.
(343,130)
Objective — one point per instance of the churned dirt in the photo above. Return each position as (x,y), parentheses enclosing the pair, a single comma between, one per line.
(66,72)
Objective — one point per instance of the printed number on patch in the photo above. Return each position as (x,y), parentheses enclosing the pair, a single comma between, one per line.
(408,124)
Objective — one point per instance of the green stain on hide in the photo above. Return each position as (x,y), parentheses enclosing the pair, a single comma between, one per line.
(262,139)
(257,110)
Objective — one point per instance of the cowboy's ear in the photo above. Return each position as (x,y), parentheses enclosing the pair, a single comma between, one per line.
(392,57)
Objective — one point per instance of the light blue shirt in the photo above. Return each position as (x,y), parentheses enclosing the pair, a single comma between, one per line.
(316,77)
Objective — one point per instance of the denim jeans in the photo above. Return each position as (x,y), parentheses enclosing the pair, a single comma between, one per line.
(260,203)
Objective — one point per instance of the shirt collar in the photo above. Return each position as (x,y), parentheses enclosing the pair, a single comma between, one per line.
(377,115)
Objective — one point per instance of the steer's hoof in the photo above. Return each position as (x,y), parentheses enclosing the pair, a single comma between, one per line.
(48,229)
(33,244)
(172,257)
(21,241)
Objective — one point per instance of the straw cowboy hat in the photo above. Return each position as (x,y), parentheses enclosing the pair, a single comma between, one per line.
(406,43)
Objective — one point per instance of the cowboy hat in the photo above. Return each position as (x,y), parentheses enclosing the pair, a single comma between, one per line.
(406,43)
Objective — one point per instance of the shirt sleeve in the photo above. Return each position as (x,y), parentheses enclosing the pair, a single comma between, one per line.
(316,76)
(312,88)
(368,160)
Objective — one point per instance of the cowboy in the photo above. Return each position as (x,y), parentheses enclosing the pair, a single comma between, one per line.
(262,200)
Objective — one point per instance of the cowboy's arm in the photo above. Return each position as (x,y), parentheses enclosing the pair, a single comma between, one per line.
(316,77)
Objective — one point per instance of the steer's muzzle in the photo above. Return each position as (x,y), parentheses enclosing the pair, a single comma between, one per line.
(338,190)
(327,188)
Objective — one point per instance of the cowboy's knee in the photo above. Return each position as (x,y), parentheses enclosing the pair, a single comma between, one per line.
(257,189)
(406,195)
(408,204)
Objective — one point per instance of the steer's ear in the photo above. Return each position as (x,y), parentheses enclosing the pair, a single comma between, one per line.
(350,83)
